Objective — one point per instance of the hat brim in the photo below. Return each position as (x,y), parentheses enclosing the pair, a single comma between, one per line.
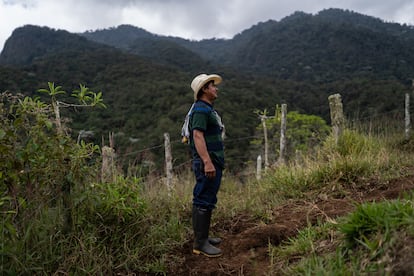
(213,77)
(216,78)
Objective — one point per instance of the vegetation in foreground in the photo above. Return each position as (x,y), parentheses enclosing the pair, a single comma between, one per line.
(57,217)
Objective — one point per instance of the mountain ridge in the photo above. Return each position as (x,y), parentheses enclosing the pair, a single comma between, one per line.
(298,60)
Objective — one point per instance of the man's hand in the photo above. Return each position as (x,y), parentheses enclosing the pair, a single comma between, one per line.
(209,169)
(200,145)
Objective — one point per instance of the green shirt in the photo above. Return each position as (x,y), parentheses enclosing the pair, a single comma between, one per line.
(205,119)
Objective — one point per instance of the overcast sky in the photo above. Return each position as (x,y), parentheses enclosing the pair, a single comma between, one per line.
(191,19)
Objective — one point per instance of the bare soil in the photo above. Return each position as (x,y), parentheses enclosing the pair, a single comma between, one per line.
(246,240)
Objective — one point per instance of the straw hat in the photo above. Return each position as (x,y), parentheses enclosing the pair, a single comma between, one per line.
(199,81)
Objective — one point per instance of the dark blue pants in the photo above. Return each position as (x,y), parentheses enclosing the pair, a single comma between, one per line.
(205,189)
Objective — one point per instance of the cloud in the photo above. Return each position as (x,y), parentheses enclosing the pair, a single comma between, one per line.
(192,19)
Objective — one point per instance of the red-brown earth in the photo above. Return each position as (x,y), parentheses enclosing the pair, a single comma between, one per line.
(246,239)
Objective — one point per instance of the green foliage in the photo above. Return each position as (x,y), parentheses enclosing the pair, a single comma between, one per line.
(39,169)
(56,218)
(35,42)
(306,131)
(114,203)
(8,232)
(303,132)
(354,157)
(353,143)
(85,96)
(131,226)
(307,244)
(120,228)
(323,265)
(370,220)
(53,91)
(146,77)
(364,240)
(306,47)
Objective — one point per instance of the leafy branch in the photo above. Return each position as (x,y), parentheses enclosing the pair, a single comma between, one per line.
(86,98)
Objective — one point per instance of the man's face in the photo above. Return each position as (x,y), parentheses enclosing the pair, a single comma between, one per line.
(211,91)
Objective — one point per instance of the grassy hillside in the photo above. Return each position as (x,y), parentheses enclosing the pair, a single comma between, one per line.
(58,217)
(333,209)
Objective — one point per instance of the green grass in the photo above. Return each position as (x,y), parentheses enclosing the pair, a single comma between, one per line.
(129,225)
(364,241)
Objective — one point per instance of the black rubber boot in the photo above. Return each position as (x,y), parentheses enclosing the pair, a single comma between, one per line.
(214,241)
(211,240)
(201,226)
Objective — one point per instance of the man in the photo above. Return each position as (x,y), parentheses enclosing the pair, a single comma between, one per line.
(208,160)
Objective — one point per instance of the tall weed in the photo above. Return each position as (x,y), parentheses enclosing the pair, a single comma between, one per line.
(354,157)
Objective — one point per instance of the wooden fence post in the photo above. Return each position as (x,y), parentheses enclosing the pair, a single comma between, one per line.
(407,116)
(283,135)
(168,162)
(56,109)
(259,167)
(266,149)
(337,115)
(108,160)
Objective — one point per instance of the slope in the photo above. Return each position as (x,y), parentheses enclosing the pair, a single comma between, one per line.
(246,240)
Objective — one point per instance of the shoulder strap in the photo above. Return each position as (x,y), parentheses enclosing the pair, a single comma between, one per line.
(195,107)
(185,132)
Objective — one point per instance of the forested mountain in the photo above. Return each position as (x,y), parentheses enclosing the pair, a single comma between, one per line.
(145,78)
(330,45)
(33,42)
(120,37)
(159,49)
(333,44)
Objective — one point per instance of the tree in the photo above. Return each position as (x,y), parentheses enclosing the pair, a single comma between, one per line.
(85,97)
(303,132)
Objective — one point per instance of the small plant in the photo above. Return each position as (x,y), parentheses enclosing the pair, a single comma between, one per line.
(85,97)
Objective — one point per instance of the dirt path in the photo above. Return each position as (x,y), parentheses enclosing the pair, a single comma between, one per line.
(245,241)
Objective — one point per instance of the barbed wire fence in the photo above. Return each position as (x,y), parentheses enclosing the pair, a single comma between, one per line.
(337,124)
